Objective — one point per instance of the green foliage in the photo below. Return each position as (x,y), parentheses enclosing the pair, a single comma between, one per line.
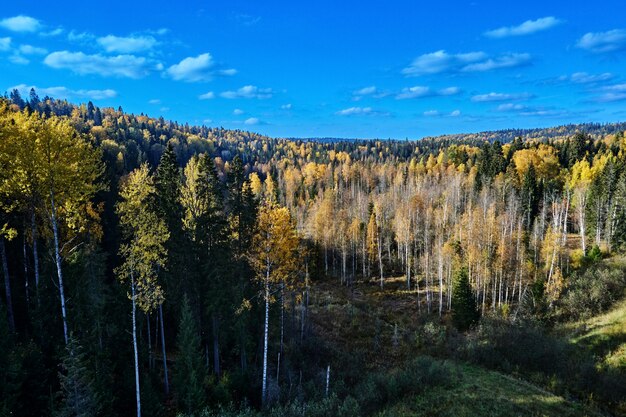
(190,372)
(78,397)
(592,291)
(464,311)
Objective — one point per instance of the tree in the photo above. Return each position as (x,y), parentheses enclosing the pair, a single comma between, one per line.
(274,260)
(68,171)
(143,250)
(189,374)
(77,385)
(464,311)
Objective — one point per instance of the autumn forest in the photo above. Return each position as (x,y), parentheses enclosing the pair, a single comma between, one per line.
(159,269)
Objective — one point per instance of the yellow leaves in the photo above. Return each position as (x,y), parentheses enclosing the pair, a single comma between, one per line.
(145,237)
(555,286)
(543,158)
(190,198)
(275,245)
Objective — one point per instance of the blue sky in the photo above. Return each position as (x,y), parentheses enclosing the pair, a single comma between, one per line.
(322,69)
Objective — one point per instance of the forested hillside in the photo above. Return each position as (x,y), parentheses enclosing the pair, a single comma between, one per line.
(162,268)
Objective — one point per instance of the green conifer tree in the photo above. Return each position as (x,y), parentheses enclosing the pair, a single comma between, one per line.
(464,311)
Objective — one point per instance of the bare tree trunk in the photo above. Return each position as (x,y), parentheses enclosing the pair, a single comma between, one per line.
(150,358)
(265,335)
(7,285)
(26,283)
(57,259)
(33,229)
(165,376)
(137,390)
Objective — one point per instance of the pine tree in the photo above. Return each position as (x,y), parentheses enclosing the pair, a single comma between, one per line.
(464,311)
(190,372)
(78,397)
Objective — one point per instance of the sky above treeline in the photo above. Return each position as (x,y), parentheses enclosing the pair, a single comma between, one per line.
(368,69)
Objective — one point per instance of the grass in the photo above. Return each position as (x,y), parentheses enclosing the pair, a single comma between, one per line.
(605,336)
(384,330)
(479,392)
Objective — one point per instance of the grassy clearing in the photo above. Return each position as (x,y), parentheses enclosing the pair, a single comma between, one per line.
(605,336)
(478,392)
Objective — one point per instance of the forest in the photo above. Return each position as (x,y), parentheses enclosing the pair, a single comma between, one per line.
(159,269)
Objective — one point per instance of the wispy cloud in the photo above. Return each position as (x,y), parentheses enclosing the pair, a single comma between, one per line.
(603,42)
(197,69)
(248,91)
(437,113)
(287,106)
(584,78)
(611,93)
(252,121)
(64,92)
(207,96)
(127,44)
(512,60)
(154,101)
(21,23)
(421,92)
(361,111)
(491,97)
(32,50)
(371,91)
(123,66)
(526,28)
(443,62)
(5,44)
(238,112)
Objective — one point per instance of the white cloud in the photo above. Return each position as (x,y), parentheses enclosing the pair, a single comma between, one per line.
(455,113)
(53,32)
(21,23)
(584,78)
(511,107)
(154,101)
(129,66)
(371,91)
(207,96)
(80,37)
(128,44)
(360,111)
(421,92)
(441,61)
(482,98)
(504,61)
(207,121)
(248,91)
(431,113)
(526,28)
(238,112)
(616,92)
(18,59)
(196,69)
(64,92)
(603,42)
(32,50)
(286,106)
(365,91)
(252,121)
(5,44)
(355,111)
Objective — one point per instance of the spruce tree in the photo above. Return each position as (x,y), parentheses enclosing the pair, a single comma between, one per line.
(77,393)
(464,311)
(189,374)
